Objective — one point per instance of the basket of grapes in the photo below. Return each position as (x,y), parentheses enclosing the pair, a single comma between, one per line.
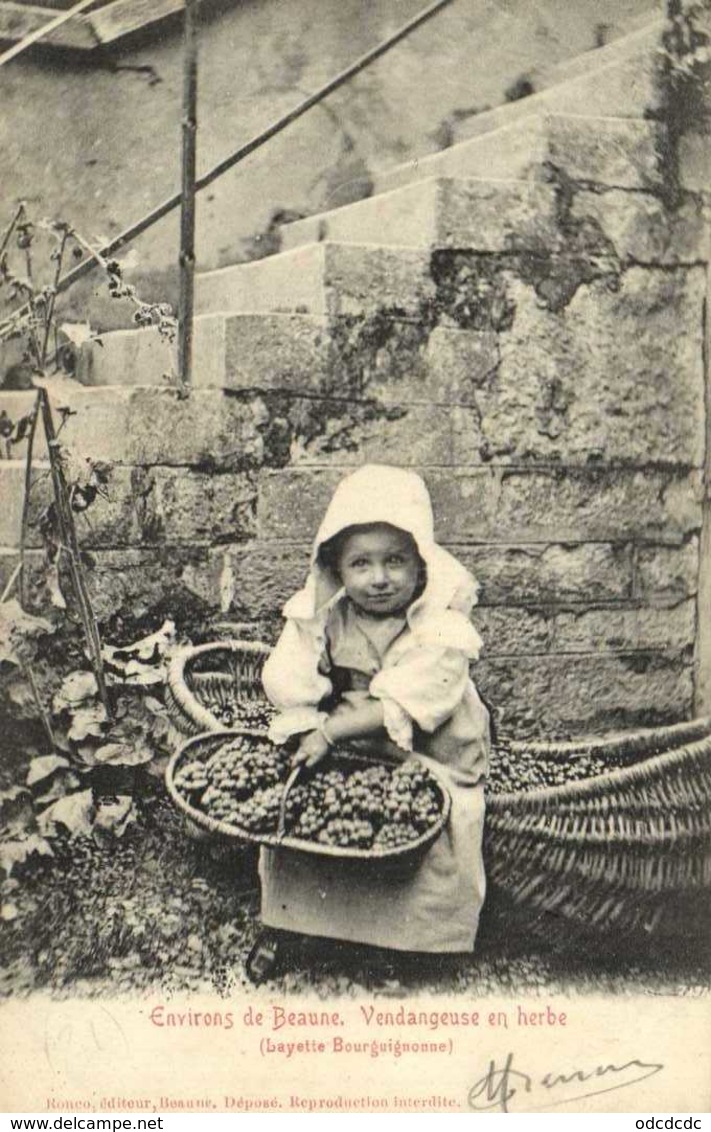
(610,834)
(218,685)
(351,806)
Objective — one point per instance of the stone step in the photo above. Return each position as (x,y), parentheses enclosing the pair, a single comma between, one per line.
(145,425)
(614,152)
(439,212)
(506,215)
(618,80)
(324,278)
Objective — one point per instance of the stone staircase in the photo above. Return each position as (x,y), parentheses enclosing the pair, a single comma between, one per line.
(518,316)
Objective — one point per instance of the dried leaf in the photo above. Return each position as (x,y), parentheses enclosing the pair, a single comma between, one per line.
(54,587)
(88,721)
(17,627)
(148,649)
(76,688)
(114,817)
(123,754)
(13,853)
(16,812)
(62,785)
(43,767)
(75,813)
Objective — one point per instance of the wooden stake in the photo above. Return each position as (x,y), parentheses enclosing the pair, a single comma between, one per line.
(187,205)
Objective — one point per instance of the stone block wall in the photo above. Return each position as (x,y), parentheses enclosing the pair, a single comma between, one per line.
(556,411)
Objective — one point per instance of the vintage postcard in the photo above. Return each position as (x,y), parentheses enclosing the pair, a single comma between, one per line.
(355,557)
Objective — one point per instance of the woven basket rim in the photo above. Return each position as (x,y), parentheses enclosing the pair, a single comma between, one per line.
(641,738)
(601,783)
(398,853)
(177,685)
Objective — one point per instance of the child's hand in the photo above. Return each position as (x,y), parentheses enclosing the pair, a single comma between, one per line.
(312,749)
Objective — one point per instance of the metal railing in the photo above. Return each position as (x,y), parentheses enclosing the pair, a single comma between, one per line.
(192,184)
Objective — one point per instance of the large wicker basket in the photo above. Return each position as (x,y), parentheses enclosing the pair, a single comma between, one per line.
(620,851)
(201,747)
(217,672)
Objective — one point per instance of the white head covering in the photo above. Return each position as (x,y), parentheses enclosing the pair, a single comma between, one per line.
(378,493)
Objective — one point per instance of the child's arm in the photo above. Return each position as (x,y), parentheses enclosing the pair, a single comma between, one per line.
(357,722)
(293,682)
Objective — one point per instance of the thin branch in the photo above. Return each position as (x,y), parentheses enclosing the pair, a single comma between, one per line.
(11,584)
(29,676)
(24,530)
(11,228)
(68,535)
(49,313)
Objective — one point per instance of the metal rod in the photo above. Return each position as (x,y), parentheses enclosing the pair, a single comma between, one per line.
(249,147)
(40,33)
(187,207)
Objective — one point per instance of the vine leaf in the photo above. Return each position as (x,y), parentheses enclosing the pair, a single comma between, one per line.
(44,766)
(123,754)
(88,722)
(76,689)
(16,627)
(114,817)
(75,812)
(13,853)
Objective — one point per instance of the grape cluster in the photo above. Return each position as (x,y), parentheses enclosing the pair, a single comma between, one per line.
(347,832)
(191,778)
(395,836)
(255,715)
(518,773)
(242,783)
(260,813)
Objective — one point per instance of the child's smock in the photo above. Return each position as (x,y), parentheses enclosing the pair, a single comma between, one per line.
(417,665)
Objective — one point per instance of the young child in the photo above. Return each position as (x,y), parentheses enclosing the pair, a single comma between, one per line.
(376,650)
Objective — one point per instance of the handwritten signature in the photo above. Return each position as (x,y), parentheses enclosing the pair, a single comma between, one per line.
(502,1085)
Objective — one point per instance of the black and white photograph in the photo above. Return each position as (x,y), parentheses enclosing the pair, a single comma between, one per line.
(355,552)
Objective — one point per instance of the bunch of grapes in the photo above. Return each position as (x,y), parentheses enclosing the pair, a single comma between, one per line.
(191,778)
(255,715)
(260,813)
(243,783)
(347,832)
(395,836)
(516,773)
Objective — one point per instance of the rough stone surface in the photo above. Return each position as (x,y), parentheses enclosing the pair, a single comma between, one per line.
(511,631)
(444,212)
(318,279)
(376,355)
(537,573)
(594,381)
(254,580)
(127,357)
(146,425)
(505,505)
(514,151)
(667,573)
(361,433)
(568,696)
(626,629)
(136,582)
(146,506)
(642,230)
(12,490)
(564,505)
(619,152)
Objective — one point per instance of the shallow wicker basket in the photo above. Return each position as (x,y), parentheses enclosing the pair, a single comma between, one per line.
(201,747)
(222,671)
(618,851)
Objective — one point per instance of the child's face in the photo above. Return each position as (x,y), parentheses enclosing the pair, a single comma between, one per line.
(380,569)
